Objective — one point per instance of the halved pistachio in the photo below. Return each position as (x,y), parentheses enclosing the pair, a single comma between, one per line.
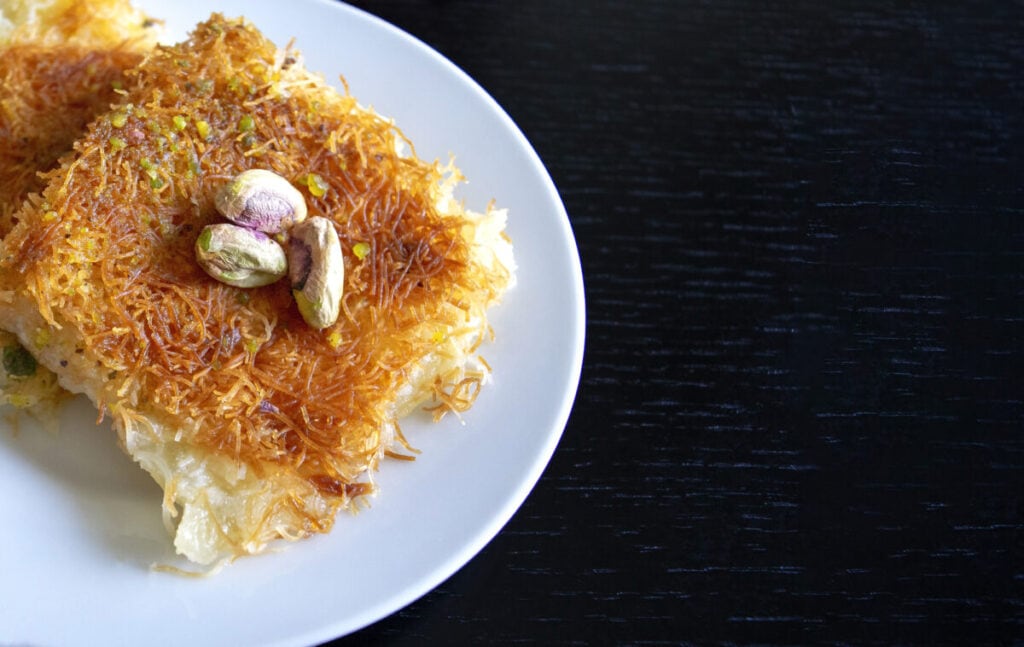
(241,257)
(261,200)
(316,269)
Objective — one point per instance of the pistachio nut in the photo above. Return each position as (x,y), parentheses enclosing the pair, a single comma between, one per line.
(316,269)
(241,257)
(261,200)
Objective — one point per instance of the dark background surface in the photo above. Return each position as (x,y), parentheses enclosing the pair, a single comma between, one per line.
(802,233)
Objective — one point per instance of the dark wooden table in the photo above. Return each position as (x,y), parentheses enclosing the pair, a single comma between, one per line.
(801,417)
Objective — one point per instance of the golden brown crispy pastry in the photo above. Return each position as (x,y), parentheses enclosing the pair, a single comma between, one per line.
(59,64)
(256,425)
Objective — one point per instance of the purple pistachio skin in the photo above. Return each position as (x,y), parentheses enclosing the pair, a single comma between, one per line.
(239,256)
(261,200)
(316,269)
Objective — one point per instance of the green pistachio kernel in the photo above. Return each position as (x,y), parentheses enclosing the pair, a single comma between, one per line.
(18,362)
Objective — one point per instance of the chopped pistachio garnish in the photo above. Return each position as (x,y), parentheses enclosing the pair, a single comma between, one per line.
(18,362)
(179,122)
(42,337)
(361,250)
(116,143)
(119,119)
(203,128)
(19,401)
(316,185)
(246,124)
(149,167)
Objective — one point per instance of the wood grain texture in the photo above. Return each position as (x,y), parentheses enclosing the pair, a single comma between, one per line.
(802,234)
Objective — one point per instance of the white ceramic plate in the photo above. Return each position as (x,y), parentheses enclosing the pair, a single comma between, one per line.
(81,523)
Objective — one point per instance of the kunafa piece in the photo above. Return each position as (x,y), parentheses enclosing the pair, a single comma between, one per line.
(61,63)
(256,424)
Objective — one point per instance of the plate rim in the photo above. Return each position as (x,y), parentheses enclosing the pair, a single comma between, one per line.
(573,366)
